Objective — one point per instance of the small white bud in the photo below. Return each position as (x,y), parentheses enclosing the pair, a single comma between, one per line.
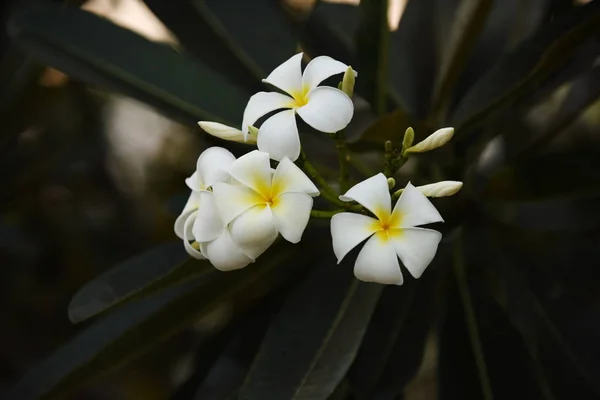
(433,141)
(226,132)
(441,189)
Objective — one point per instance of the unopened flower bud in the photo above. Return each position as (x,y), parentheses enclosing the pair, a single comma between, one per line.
(440,189)
(409,136)
(226,132)
(391,183)
(348,81)
(433,141)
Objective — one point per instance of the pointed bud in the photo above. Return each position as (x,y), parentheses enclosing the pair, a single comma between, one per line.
(388,146)
(226,132)
(391,183)
(433,141)
(441,189)
(409,136)
(348,81)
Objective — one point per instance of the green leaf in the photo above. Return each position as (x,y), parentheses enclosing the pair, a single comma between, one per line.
(312,342)
(519,73)
(389,127)
(90,47)
(372,45)
(138,277)
(137,327)
(413,57)
(469,20)
(211,32)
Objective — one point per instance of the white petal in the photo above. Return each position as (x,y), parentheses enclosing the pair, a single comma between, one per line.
(288,178)
(433,141)
(288,76)
(416,247)
(190,206)
(279,137)
(208,225)
(292,212)
(213,165)
(194,182)
(232,200)
(327,110)
(254,230)
(319,69)
(378,262)
(253,170)
(372,193)
(348,230)
(188,237)
(263,103)
(225,255)
(415,209)
(440,189)
(226,132)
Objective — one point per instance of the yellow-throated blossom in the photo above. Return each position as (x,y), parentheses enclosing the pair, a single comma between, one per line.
(325,108)
(203,232)
(391,234)
(261,203)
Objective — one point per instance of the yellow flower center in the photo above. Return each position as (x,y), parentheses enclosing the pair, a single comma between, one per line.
(300,97)
(388,226)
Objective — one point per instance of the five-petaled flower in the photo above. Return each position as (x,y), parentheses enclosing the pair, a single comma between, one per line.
(325,108)
(261,203)
(391,234)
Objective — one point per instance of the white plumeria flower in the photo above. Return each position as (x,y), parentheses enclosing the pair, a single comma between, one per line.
(199,224)
(326,109)
(263,203)
(391,234)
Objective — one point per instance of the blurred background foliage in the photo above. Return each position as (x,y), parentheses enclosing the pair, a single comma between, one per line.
(99,101)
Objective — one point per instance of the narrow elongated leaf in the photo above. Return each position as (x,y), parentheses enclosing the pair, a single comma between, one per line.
(137,327)
(219,34)
(469,20)
(312,342)
(373,46)
(91,48)
(412,67)
(528,65)
(154,270)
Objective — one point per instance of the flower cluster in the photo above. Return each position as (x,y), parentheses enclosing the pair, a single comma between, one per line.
(238,207)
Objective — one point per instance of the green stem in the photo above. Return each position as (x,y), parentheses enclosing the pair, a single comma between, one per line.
(324,214)
(343,158)
(326,190)
(471,320)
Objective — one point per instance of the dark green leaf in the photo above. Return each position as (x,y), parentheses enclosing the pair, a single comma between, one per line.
(138,277)
(413,57)
(137,327)
(469,20)
(373,47)
(91,48)
(220,36)
(312,342)
(391,352)
(519,73)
